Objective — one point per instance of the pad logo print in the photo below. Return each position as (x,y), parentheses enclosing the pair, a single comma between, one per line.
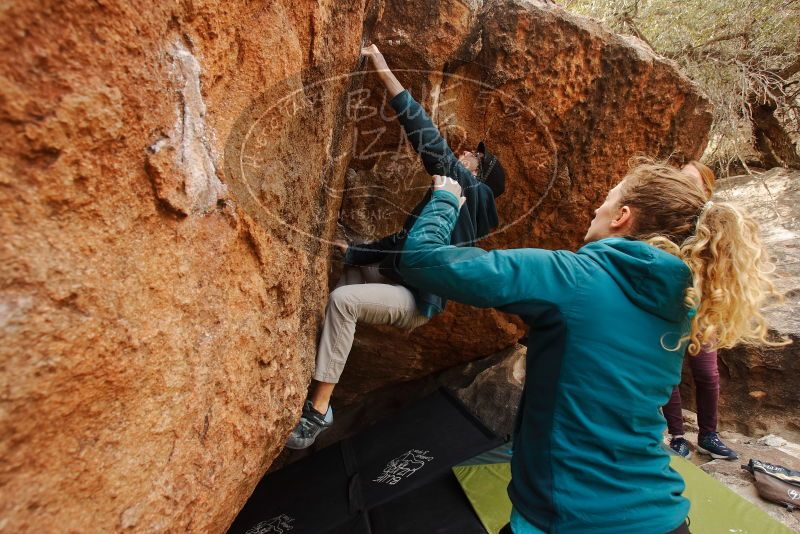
(276,525)
(794,495)
(403,466)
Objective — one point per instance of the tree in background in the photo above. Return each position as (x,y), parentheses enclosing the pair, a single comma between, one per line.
(745,55)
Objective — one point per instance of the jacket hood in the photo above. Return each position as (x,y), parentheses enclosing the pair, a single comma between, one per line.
(652,279)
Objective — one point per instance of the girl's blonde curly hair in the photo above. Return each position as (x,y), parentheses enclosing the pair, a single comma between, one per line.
(719,242)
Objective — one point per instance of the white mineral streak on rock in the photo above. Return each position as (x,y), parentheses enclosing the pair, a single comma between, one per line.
(191,135)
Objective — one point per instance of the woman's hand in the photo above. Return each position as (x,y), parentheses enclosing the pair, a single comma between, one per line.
(341,246)
(444,183)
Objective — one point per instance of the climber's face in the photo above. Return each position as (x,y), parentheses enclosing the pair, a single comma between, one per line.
(470,160)
(610,219)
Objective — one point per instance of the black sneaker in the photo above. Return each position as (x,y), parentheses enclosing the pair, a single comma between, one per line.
(311,424)
(681,447)
(711,444)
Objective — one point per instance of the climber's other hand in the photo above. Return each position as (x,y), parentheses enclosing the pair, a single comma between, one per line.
(341,245)
(381,69)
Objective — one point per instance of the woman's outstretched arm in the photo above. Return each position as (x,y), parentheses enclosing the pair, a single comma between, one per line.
(474,276)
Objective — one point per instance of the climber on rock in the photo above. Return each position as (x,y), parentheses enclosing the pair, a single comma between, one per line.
(371,289)
(663,270)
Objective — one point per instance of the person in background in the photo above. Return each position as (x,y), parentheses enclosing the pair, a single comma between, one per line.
(371,289)
(608,329)
(705,373)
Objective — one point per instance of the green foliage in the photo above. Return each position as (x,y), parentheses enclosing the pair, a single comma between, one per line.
(740,52)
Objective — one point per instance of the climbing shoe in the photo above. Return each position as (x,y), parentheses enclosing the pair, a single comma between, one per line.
(681,447)
(311,424)
(711,444)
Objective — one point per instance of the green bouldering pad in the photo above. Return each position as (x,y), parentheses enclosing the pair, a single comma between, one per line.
(485,486)
(714,508)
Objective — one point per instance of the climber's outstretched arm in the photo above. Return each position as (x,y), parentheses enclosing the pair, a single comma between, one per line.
(392,84)
(424,136)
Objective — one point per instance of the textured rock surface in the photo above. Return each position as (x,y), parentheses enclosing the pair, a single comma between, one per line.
(561,101)
(761,386)
(158,325)
(169,176)
(494,394)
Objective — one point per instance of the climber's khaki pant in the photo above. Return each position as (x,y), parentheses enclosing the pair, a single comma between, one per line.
(362,295)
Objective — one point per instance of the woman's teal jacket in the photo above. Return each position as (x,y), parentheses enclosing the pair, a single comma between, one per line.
(587,454)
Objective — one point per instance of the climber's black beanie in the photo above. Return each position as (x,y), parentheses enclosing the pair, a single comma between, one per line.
(490,171)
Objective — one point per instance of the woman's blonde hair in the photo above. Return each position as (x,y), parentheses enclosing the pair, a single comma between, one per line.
(718,241)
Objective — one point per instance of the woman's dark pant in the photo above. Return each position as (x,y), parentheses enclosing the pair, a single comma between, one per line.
(706,380)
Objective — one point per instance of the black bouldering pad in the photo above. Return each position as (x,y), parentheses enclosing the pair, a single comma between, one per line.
(439,507)
(340,488)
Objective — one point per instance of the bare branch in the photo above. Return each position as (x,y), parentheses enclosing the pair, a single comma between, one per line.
(726,37)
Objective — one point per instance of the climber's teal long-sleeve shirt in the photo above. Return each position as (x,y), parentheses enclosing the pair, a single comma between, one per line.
(587,454)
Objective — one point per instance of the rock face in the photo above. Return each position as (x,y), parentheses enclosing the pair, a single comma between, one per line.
(493,396)
(171,178)
(760,388)
(158,323)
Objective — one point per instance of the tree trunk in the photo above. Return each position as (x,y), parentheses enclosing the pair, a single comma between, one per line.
(771,139)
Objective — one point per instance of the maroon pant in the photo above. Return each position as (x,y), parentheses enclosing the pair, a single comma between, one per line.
(706,381)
